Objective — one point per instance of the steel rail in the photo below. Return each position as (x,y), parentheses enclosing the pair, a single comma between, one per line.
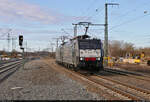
(10,64)
(146,93)
(128,95)
(129,72)
(133,76)
(99,85)
(6,62)
(9,67)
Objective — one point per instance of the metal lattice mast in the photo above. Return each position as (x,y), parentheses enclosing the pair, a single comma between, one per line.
(106,32)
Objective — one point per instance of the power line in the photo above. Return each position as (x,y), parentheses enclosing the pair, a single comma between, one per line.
(97,11)
(88,8)
(128,12)
(5,33)
(129,21)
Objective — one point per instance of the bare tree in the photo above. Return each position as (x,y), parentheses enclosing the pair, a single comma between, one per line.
(115,48)
(120,49)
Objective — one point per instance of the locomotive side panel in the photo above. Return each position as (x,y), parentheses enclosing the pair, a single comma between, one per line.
(58,56)
(67,54)
(75,53)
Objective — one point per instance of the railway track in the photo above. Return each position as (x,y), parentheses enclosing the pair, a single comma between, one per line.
(126,90)
(7,62)
(116,91)
(129,71)
(130,74)
(122,91)
(9,69)
(112,90)
(141,93)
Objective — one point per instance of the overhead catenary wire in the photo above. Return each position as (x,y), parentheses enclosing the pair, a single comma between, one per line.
(4,34)
(130,11)
(97,11)
(88,16)
(129,21)
(88,8)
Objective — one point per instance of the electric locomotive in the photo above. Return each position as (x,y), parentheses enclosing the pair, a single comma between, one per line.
(81,52)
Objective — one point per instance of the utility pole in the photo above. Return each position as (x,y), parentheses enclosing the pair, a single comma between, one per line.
(75,30)
(57,39)
(13,43)
(63,38)
(57,42)
(8,39)
(52,44)
(26,48)
(106,33)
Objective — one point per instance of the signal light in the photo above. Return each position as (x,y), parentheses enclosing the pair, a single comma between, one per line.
(20,40)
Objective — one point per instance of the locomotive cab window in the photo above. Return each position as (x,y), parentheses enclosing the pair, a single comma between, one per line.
(89,44)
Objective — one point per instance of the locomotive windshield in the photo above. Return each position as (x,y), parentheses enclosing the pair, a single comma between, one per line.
(89,44)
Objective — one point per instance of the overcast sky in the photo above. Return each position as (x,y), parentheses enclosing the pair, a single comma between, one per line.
(39,21)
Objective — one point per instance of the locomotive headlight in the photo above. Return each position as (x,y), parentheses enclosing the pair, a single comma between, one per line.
(98,58)
(81,58)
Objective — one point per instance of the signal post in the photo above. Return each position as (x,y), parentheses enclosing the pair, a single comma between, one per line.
(21,47)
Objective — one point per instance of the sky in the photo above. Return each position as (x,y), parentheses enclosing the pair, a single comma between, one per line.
(42,21)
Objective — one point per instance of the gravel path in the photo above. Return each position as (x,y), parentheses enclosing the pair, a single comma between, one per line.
(37,81)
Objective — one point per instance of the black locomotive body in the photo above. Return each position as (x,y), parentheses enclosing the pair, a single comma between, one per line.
(81,52)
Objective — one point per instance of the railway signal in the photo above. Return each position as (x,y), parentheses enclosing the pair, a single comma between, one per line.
(20,44)
(20,40)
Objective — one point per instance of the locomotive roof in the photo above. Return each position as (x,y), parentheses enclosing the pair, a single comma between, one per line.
(81,37)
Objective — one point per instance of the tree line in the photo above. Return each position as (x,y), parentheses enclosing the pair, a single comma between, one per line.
(121,49)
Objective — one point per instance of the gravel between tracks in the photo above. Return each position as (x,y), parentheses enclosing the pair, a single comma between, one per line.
(127,79)
(135,68)
(37,81)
